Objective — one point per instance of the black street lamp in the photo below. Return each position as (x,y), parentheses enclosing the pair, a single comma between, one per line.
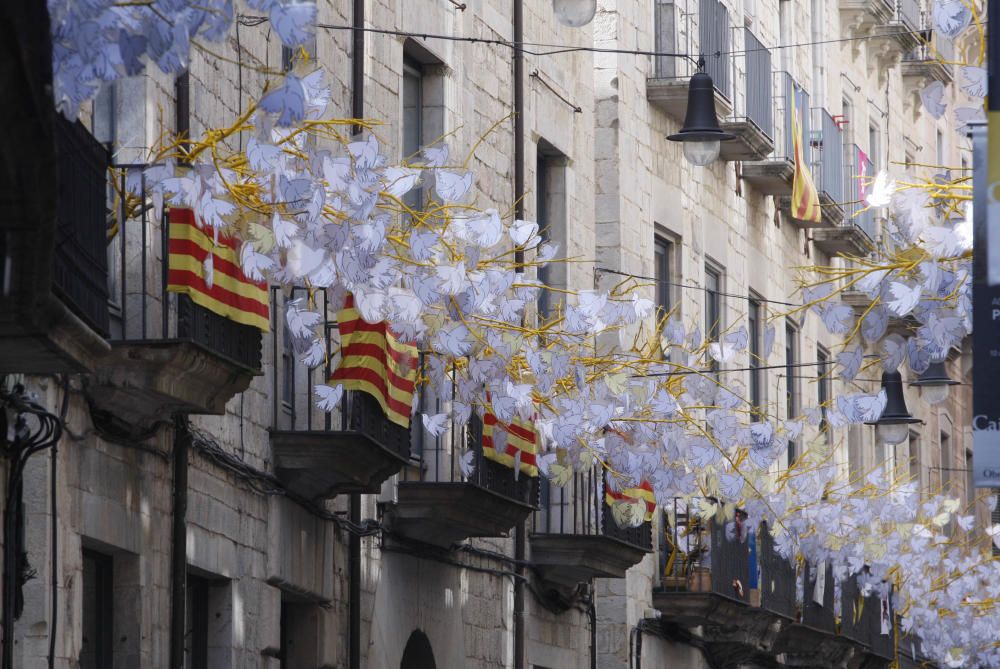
(892,427)
(701,134)
(935,384)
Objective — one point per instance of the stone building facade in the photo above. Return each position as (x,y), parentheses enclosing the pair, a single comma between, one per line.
(268,573)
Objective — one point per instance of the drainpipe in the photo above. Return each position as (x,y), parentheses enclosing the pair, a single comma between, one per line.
(178,567)
(519,536)
(354,541)
(518,18)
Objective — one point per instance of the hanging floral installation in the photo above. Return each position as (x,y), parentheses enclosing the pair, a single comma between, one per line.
(609,382)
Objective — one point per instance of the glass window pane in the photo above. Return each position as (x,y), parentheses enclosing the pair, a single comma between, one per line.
(662,250)
(713,325)
(754,331)
(791,383)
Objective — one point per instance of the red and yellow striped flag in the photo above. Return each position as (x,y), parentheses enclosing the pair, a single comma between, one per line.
(805,198)
(644,492)
(227,291)
(373,361)
(521,437)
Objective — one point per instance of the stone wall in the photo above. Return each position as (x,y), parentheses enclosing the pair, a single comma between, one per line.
(624,183)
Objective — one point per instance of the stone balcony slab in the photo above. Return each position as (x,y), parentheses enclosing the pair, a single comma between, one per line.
(751,142)
(671,97)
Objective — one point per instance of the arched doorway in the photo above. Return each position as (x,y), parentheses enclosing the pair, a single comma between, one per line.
(418,653)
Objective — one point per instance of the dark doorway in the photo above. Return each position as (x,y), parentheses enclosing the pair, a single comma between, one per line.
(418,653)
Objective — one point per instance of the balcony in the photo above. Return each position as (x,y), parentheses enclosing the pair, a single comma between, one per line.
(861,624)
(825,153)
(812,640)
(667,89)
(899,35)
(168,354)
(575,538)
(319,455)
(773,174)
(53,273)
(930,61)
(752,122)
(777,577)
(706,583)
(911,654)
(439,504)
(859,18)
(857,233)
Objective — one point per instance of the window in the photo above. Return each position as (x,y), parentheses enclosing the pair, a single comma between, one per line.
(196,634)
(874,146)
(713,308)
(287,369)
(855,456)
(913,453)
(946,461)
(98,607)
(182,108)
(413,121)
(847,110)
(939,148)
(290,55)
(755,314)
(550,176)
(791,382)
(970,479)
(713,303)
(422,96)
(662,254)
(822,382)
(207,643)
(299,624)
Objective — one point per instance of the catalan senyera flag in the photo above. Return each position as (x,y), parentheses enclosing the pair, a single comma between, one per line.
(521,436)
(643,492)
(227,292)
(374,361)
(805,197)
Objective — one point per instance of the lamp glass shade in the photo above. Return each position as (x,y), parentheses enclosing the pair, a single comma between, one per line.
(934,383)
(935,393)
(574,13)
(703,152)
(892,433)
(701,134)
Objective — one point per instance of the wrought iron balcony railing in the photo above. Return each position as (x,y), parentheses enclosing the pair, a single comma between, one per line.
(861,619)
(168,354)
(575,537)
(704,555)
(675,32)
(859,173)
(826,150)
(777,577)
(453,491)
(143,310)
(319,454)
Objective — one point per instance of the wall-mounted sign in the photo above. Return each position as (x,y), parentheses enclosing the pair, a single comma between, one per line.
(986,304)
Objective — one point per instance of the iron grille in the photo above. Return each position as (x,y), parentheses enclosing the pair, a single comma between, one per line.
(236,341)
(80,263)
(777,577)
